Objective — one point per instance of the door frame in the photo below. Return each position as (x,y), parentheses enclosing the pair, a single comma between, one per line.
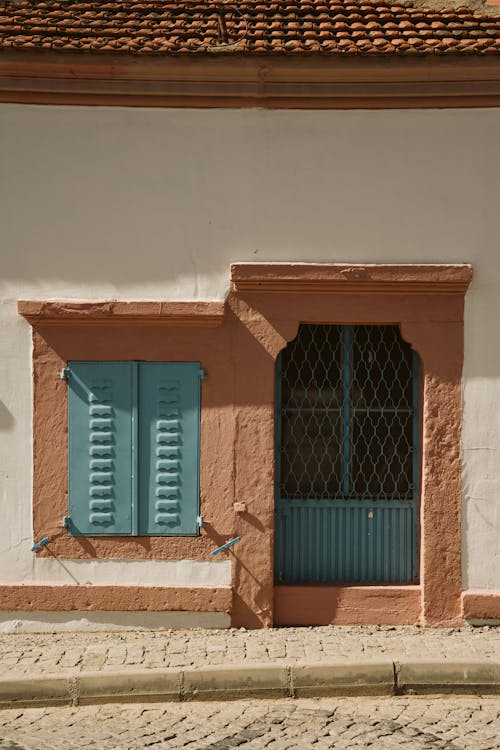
(427,302)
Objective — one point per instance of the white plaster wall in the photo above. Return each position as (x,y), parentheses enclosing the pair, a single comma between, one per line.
(154,204)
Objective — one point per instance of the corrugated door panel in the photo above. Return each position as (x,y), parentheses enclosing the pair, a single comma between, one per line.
(100,448)
(353,541)
(169,448)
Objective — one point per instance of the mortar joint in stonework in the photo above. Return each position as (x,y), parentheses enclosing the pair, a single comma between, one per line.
(290,687)
(182,687)
(74,691)
(396,666)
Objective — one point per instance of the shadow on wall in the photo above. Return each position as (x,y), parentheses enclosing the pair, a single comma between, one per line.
(6,418)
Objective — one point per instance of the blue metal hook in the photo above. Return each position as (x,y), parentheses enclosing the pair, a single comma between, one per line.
(225,546)
(41,543)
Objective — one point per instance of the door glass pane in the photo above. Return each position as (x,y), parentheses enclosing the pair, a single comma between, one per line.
(381,455)
(311,424)
(311,454)
(381,388)
(347,414)
(381,368)
(311,369)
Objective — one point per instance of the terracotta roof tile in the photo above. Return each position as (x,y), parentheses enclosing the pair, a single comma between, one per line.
(278,26)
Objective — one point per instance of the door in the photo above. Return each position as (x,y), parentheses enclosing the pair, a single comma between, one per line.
(347,457)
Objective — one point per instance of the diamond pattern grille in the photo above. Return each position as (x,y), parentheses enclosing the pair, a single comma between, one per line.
(347,414)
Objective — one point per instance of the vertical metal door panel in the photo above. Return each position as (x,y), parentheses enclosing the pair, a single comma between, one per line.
(324,541)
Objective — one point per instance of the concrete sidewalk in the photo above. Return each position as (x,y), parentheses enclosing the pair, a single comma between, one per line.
(73,668)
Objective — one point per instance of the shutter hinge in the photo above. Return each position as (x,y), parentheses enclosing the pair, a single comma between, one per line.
(202,373)
(65,373)
(199,521)
(66,522)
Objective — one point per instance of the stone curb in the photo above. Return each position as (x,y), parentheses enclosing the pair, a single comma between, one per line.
(423,677)
(254,681)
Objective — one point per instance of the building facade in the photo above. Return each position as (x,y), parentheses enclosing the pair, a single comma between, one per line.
(264,320)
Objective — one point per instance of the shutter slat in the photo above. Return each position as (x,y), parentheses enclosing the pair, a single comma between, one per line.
(169,437)
(100,451)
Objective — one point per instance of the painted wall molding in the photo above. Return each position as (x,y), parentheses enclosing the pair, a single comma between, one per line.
(481,605)
(58,312)
(65,598)
(341,278)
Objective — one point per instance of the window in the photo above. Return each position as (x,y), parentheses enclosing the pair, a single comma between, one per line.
(134,436)
(348,430)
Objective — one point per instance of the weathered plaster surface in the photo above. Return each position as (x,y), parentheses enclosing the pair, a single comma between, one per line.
(115,598)
(481,606)
(181,193)
(56,622)
(59,570)
(100,203)
(386,605)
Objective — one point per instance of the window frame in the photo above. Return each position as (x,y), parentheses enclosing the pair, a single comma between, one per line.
(119,330)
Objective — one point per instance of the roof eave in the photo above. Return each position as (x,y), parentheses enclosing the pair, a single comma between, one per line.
(245,80)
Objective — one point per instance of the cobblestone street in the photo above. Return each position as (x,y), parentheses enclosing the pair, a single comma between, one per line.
(53,653)
(466,723)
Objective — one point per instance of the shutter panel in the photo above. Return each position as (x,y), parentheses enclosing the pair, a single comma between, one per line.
(100,448)
(169,446)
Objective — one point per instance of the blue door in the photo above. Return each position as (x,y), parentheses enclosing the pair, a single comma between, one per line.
(347,456)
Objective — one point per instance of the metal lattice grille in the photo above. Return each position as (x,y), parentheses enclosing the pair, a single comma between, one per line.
(347,414)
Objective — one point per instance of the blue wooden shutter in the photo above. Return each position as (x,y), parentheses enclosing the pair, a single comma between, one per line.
(169,448)
(100,448)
